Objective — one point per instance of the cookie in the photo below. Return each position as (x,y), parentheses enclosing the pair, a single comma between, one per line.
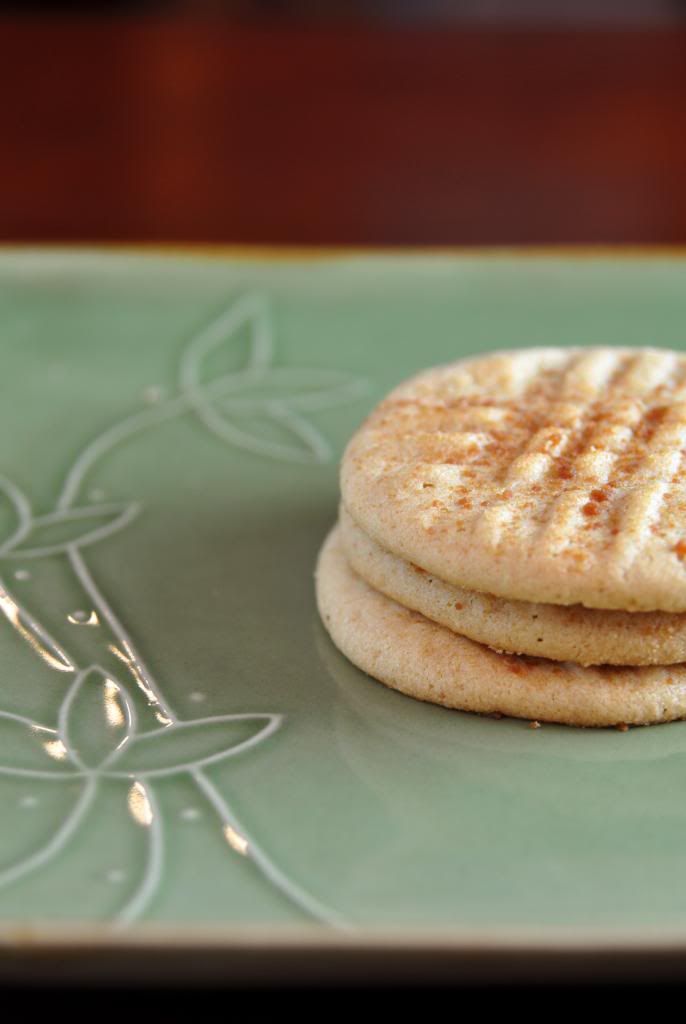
(422,659)
(543,475)
(559,632)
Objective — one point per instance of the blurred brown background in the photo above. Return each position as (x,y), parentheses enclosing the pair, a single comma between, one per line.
(363,122)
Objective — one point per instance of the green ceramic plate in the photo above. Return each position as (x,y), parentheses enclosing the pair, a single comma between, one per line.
(182,751)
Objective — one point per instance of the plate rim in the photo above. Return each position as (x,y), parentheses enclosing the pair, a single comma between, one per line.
(265,253)
(153,953)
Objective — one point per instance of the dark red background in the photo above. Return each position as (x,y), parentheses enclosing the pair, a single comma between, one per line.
(129,128)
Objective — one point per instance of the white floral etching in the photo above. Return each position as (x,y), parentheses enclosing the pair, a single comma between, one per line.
(98,734)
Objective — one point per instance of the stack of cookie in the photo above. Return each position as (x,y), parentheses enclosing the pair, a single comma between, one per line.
(512,537)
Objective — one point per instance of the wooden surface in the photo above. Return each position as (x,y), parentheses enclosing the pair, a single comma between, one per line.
(161,129)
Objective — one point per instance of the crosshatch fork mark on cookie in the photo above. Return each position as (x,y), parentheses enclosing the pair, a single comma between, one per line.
(554,462)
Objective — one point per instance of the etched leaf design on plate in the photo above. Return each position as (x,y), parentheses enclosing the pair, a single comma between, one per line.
(96,719)
(229,381)
(274,398)
(193,744)
(238,341)
(73,527)
(304,390)
(31,749)
(15,514)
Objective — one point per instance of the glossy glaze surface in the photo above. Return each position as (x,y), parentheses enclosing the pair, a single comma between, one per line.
(179,741)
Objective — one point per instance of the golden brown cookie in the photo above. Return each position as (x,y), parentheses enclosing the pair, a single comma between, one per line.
(407,652)
(541,475)
(587,636)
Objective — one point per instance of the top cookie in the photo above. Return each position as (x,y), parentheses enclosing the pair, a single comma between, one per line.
(553,475)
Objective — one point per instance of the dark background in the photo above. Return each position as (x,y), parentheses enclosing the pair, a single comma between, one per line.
(380,122)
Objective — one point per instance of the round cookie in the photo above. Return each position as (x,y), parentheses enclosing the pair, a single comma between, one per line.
(541,475)
(561,632)
(407,652)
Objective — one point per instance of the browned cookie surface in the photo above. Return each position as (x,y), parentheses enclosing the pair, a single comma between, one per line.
(541,475)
